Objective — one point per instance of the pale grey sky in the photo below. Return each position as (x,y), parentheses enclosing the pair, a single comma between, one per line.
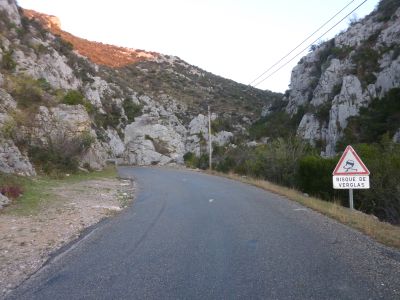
(236,39)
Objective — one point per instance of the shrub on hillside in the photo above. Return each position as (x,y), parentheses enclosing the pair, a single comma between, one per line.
(380,117)
(131,109)
(27,91)
(366,60)
(383,198)
(7,62)
(194,162)
(386,9)
(314,177)
(60,153)
(73,97)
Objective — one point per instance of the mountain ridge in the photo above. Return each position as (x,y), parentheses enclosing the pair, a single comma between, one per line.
(98,53)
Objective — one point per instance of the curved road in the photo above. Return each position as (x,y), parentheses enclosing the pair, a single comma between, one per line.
(195,236)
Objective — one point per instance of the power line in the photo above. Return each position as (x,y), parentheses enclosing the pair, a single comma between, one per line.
(285,64)
(322,26)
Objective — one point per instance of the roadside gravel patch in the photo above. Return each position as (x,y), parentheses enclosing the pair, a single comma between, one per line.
(26,242)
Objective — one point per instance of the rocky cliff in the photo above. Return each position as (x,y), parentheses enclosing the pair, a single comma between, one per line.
(341,76)
(66,102)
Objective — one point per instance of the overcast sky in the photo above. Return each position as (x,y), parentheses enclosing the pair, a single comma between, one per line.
(236,39)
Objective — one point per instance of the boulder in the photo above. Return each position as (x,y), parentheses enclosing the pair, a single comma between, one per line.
(4,201)
(12,161)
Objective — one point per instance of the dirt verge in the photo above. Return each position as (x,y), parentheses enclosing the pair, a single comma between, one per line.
(26,242)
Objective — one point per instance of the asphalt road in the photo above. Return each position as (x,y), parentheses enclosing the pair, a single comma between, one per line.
(194,236)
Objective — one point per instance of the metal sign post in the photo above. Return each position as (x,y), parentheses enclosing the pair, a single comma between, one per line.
(350,173)
(351,201)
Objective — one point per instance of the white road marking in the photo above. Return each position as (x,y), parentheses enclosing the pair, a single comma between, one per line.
(300,209)
(211,200)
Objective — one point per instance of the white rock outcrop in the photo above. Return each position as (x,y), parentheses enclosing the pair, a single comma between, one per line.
(12,161)
(149,142)
(10,7)
(339,82)
(4,201)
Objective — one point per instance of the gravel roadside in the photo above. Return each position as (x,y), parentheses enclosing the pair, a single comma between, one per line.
(27,242)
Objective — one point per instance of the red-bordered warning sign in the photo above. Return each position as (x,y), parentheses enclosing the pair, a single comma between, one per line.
(350,164)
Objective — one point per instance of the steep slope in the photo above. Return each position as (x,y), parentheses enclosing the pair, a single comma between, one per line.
(67,102)
(342,76)
(98,53)
(153,73)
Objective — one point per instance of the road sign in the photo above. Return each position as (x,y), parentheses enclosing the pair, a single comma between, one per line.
(351,182)
(350,173)
(350,164)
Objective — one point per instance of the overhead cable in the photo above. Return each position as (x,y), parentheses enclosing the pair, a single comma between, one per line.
(285,64)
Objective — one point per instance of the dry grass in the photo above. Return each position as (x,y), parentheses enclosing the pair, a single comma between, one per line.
(382,232)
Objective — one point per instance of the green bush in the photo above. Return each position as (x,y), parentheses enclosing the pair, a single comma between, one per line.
(131,109)
(7,62)
(380,117)
(27,91)
(60,154)
(44,84)
(314,176)
(386,9)
(322,111)
(221,124)
(276,124)
(111,118)
(366,60)
(192,161)
(226,165)
(73,97)
(383,198)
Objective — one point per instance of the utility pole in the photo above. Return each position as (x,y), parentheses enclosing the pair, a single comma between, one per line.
(209,138)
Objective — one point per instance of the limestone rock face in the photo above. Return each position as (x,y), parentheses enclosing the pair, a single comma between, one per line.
(222,138)
(96,156)
(331,78)
(52,66)
(198,138)
(62,121)
(148,142)
(115,143)
(4,201)
(96,90)
(332,87)
(309,128)
(301,80)
(12,161)
(7,103)
(10,7)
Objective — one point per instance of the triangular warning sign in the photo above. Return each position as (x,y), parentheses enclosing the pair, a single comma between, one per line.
(350,164)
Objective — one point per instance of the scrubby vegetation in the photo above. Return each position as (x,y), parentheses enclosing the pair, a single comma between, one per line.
(386,9)
(60,154)
(293,163)
(380,117)
(194,87)
(277,124)
(131,109)
(288,161)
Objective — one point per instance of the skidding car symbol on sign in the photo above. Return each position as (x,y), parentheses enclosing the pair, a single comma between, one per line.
(350,172)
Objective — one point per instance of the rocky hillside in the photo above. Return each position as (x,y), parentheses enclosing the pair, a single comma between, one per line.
(98,53)
(65,104)
(341,77)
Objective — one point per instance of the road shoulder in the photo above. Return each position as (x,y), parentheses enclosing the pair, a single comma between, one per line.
(28,241)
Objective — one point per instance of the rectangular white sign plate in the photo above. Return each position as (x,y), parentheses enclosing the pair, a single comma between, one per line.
(351,182)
